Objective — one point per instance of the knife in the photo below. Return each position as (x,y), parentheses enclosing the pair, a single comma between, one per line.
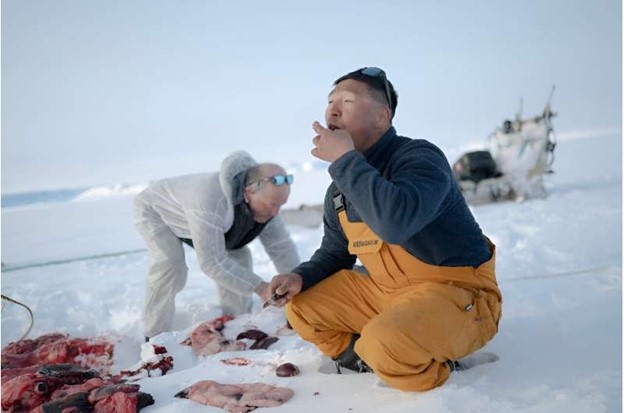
(271,301)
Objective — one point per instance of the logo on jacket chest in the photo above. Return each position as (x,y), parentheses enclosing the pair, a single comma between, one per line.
(364,243)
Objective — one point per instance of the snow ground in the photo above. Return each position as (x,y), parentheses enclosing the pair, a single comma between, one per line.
(559,268)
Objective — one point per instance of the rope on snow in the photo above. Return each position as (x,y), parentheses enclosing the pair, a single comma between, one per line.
(32,317)
(69,260)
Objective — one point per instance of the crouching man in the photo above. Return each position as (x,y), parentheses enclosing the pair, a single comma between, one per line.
(428,296)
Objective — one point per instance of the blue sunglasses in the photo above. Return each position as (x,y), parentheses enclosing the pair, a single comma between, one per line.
(377,72)
(278,180)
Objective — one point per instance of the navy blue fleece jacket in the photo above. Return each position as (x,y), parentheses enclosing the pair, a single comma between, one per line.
(404,190)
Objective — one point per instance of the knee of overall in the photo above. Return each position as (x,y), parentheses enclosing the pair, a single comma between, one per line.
(295,310)
(290,312)
(372,346)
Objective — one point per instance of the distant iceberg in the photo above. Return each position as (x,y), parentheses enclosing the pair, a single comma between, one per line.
(110,190)
(20,199)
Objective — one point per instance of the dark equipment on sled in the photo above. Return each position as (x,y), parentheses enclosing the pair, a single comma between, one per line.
(520,154)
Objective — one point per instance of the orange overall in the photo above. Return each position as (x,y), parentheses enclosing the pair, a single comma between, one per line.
(413,317)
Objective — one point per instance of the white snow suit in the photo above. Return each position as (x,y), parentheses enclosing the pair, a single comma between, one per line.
(200,207)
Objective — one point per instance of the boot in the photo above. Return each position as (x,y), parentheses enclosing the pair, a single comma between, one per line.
(349,360)
(472,360)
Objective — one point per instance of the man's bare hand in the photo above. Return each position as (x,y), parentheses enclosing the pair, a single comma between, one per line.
(285,286)
(330,145)
(263,291)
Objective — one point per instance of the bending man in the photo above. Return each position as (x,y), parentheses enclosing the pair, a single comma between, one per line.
(217,214)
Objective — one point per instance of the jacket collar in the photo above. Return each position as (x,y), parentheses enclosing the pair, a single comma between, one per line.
(376,154)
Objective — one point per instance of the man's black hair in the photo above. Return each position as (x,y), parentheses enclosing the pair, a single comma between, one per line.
(375,83)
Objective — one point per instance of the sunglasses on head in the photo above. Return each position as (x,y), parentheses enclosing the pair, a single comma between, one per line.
(376,72)
(278,180)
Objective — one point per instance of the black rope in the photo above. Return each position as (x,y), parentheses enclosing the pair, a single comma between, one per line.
(69,260)
(32,317)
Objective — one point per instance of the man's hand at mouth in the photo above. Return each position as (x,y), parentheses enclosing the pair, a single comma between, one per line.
(331,142)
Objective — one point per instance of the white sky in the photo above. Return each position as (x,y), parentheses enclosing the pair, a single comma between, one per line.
(107,91)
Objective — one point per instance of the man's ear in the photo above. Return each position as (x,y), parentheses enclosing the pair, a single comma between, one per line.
(247,192)
(384,116)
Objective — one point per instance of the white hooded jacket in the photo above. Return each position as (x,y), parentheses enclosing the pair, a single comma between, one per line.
(200,207)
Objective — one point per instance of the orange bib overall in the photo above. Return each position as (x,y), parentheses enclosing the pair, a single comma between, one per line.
(412,316)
